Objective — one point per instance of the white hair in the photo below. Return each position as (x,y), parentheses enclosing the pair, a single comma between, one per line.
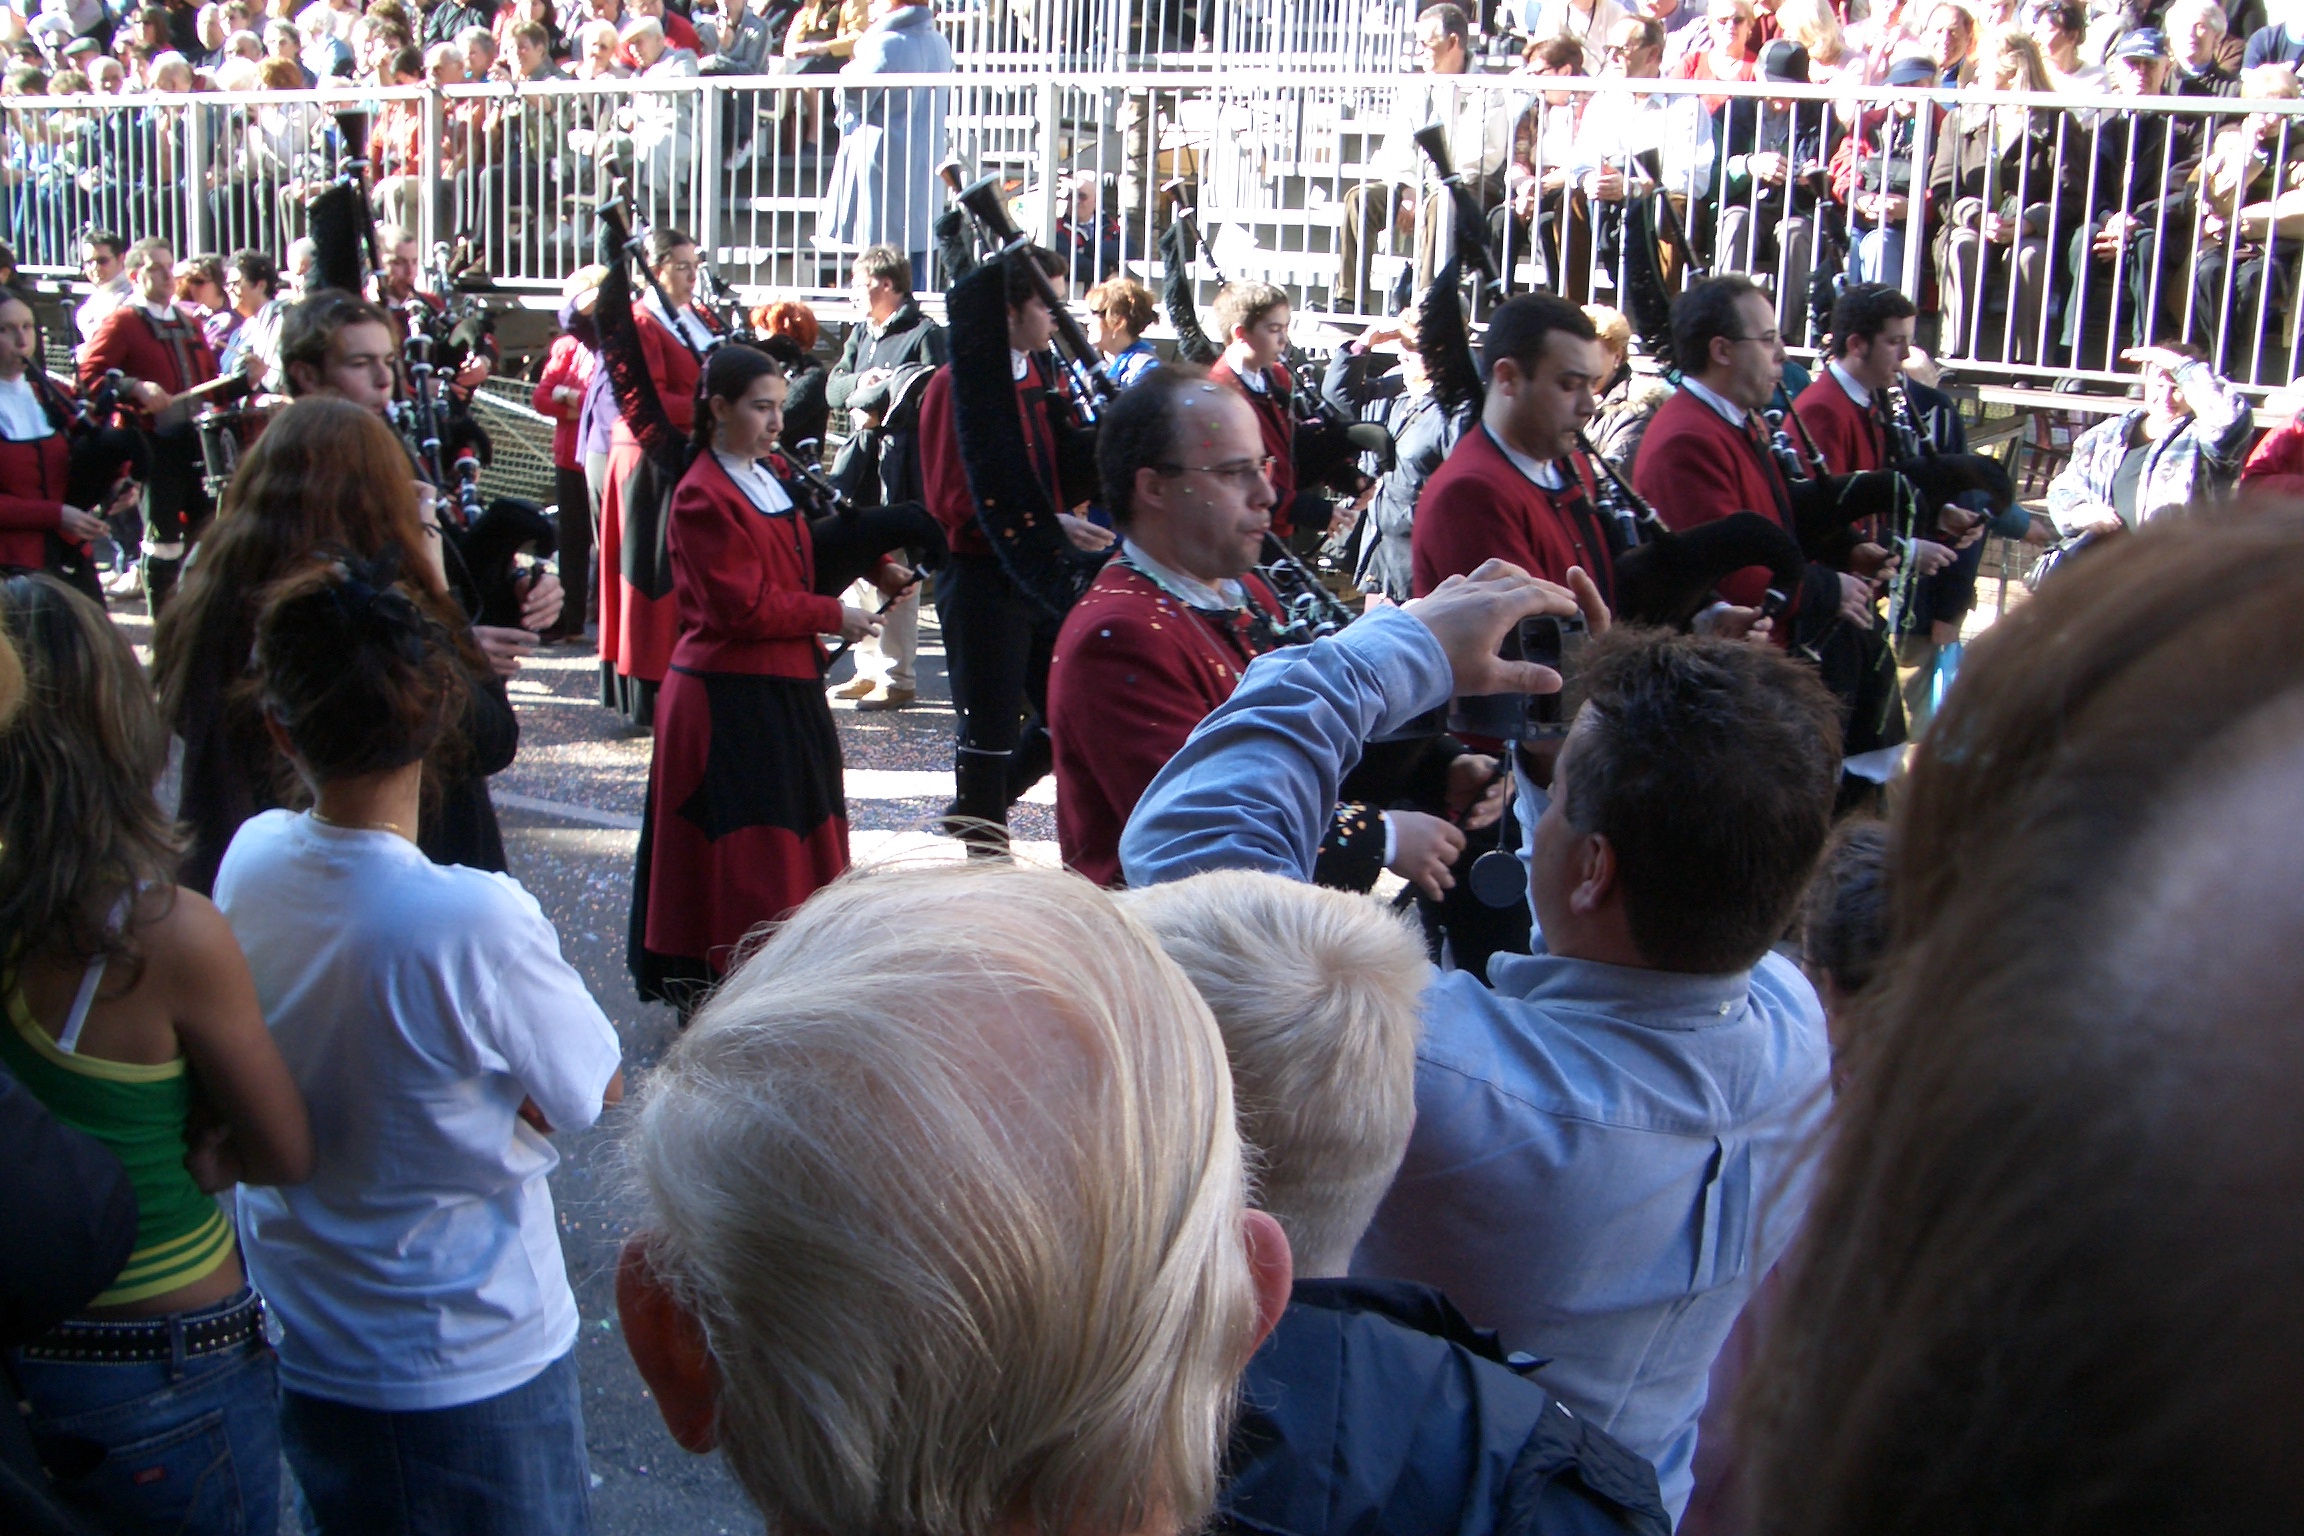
(947,1173)
(1318,995)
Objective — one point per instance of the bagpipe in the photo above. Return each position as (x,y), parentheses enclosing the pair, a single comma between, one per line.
(101,450)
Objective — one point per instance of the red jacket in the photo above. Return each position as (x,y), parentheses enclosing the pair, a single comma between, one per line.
(1276,419)
(743,578)
(1133,672)
(1694,467)
(1847,434)
(1479,506)
(125,339)
(568,366)
(944,478)
(2276,468)
(32,478)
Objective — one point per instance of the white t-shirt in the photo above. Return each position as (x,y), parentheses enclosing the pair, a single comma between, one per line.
(416,1004)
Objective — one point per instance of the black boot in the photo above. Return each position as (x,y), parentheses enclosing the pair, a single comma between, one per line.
(978,814)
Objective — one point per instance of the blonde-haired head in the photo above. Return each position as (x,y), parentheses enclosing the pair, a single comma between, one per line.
(1317,993)
(947,1173)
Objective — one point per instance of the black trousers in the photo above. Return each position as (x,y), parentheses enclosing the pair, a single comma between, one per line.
(176,511)
(575,552)
(997,645)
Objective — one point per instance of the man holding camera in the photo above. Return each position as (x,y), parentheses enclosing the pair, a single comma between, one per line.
(1606,1157)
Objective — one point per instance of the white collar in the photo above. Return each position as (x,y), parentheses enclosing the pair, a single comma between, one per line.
(754,480)
(1848,385)
(158,311)
(1255,380)
(1547,476)
(1222,596)
(1727,409)
(1019,364)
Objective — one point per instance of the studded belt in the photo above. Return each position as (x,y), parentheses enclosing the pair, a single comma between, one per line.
(88,1341)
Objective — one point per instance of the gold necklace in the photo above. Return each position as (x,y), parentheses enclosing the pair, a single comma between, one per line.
(359,826)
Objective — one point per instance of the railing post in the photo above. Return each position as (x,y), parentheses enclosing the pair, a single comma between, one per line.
(1050,127)
(195,225)
(435,181)
(705,173)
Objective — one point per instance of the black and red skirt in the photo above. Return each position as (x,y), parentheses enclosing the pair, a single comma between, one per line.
(746,818)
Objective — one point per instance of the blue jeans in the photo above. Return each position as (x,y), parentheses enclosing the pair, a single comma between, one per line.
(509,1465)
(190,1445)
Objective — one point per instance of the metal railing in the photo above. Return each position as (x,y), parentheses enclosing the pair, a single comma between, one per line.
(2043,235)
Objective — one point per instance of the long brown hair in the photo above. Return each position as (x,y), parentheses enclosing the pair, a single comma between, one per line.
(2047,1283)
(79,826)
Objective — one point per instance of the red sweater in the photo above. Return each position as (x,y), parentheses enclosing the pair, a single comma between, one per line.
(1276,419)
(1694,467)
(944,478)
(568,365)
(1479,506)
(2276,468)
(1133,672)
(743,579)
(1847,434)
(125,339)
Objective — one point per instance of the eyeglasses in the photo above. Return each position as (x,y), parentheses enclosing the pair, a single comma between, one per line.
(1241,474)
(1619,50)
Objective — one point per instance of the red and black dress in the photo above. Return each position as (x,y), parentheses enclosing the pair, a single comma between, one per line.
(745,814)
(639,619)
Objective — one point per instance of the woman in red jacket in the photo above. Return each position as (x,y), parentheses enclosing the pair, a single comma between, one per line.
(745,814)
(39,530)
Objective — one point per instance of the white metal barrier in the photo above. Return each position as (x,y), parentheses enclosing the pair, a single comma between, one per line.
(2042,234)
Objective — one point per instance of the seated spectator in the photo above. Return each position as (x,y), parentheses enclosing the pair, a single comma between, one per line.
(823,34)
(1833,58)
(2060,27)
(427,1373)
(1768,224)
(2181,446)
(1372,1402)
(1120,311)
(1534,214)
(2207,61)
(2250,195)
(1566,1182)
(1088,233)
(2117,263)
(1872,177)
(2003,176)
(2056,1207)
(2282,42)
(986,1132)
(1620,126)
(131,1017)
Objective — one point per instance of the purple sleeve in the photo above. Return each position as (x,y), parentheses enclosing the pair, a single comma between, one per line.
(598,418)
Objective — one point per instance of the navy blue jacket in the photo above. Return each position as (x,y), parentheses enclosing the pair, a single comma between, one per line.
(1375,1409)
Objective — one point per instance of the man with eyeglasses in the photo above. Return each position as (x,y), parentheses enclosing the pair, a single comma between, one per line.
(1619,127)
(109,287)
(1162,637)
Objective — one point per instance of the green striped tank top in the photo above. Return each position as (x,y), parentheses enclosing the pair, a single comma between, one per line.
(138,1112)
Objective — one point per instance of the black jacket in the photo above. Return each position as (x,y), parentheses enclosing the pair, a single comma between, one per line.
(911,340)
(1375,1409)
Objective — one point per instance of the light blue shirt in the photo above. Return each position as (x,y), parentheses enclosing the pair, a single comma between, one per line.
(1606,1161)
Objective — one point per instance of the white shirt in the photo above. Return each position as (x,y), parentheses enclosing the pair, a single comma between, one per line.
(1854,390)
(1618,124)
(1216,597)
(761,488)
(686,325)
(1734,414)
(1549,477)
(416,1004)
(107,298)
(21,419)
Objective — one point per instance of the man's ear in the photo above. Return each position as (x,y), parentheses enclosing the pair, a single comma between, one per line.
(1271,1270)
(1595,875)
(668,1346)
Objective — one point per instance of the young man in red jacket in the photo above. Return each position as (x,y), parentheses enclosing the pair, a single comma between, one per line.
(1253,319)
(161,353)
(1517,487)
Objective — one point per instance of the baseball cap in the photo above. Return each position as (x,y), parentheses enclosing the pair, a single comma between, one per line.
(1786,60)
(2143,43)
(1912,70)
